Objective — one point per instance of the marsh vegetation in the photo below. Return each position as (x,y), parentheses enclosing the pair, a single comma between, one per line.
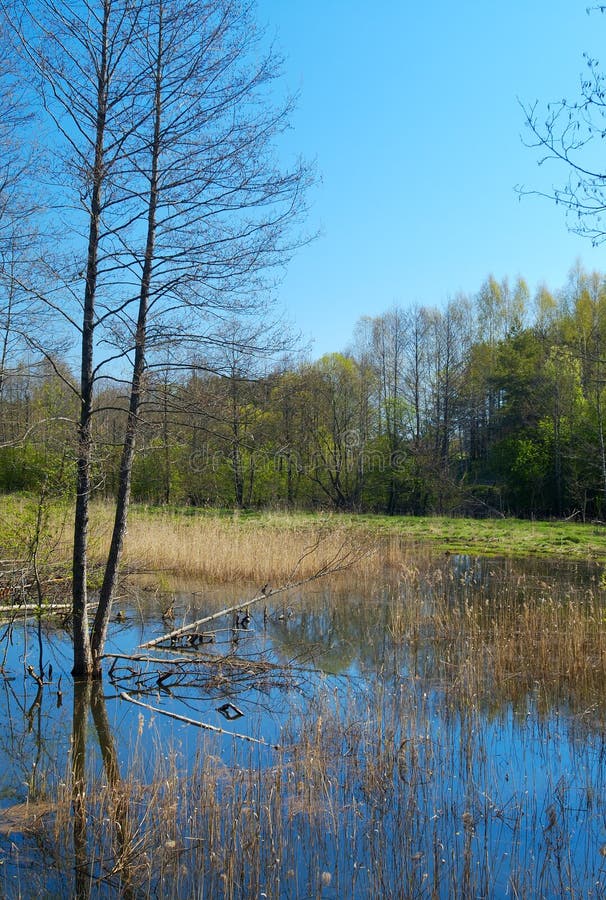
(426,725)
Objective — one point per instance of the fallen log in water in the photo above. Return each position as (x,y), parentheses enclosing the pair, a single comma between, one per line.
(35,609)
(343,559)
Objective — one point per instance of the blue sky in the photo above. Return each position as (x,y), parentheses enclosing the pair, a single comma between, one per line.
(411,112)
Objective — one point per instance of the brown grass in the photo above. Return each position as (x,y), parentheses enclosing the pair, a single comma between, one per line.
(232,549)
(367,776)
(492,649)
(560,645)
(22,817)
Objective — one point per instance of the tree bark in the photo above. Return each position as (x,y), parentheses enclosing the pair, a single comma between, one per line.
(83,662)
(110,577)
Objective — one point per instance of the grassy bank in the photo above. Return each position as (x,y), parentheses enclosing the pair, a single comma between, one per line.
(499,537)
(223,546)
(268,534)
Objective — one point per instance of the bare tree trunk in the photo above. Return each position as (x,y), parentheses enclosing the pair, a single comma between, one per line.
(83,661)
(164,122)
(602,445)
(6,326)
(128,450)
(165,440)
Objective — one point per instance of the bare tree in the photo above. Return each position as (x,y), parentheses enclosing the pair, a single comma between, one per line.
(383,342)
(164,117)
(79,54)
(335,414)
(569,134)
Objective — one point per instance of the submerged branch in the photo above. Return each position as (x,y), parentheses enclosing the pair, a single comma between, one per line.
(198,724)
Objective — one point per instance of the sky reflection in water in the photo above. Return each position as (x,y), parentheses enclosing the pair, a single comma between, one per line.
(483,789)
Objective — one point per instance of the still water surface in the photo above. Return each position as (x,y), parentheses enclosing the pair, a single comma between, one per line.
(397,773)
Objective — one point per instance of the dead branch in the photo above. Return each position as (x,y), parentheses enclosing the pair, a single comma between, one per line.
(139,657)
(188,721)
(343,558)
(35,607)
(222,612)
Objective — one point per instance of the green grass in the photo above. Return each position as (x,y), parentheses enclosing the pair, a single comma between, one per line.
(500,537)
(484,537)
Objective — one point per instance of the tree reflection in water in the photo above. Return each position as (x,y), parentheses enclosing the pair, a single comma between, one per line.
(458,750)
(89,697)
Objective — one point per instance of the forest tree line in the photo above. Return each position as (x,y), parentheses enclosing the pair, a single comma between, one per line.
(494,404)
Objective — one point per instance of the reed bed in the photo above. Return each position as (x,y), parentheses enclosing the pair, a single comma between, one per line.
(375,795)
(207,547)
(501,641)
(460,754)
(220,547)
(230,549)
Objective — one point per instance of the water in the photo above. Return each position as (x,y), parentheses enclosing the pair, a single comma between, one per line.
(406,766)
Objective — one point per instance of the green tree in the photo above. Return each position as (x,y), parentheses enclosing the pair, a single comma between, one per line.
(336,418)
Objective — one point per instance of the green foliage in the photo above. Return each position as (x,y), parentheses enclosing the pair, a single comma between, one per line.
(31,466)
(472,408)
(21,468)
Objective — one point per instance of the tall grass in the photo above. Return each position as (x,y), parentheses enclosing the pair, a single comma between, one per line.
(374,797)
(210,547)
(462,757)
(220,547)
(230,549)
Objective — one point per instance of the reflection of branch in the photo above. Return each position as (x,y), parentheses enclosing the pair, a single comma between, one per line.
(36,705)
(202,674)
(139,657)
(188,721)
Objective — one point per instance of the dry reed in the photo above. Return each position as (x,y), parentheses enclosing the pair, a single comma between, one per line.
(396,784)
(224,550)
